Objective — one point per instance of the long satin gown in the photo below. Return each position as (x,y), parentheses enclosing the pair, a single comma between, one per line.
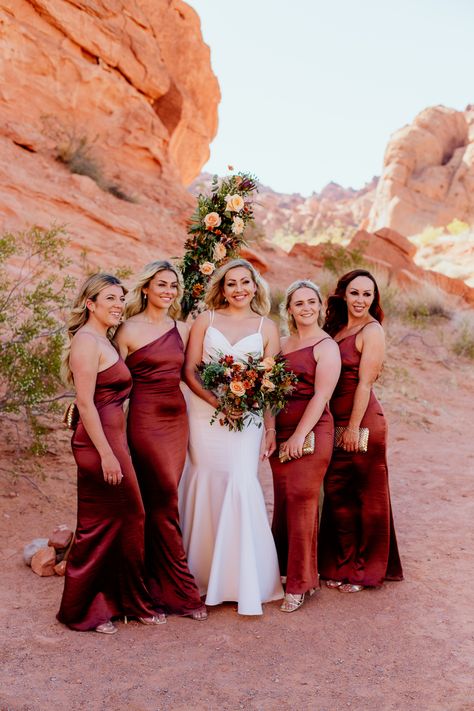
(105,568)
(226,531)
(297,483)
(158,439)
(357,542)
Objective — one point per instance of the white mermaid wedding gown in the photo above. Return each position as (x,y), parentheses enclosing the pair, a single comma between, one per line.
(224,522)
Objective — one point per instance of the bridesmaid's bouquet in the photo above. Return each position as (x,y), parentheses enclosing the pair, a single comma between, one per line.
(245,389)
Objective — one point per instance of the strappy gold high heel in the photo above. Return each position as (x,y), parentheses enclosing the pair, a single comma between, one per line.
(155,620)
(106,628)
(350,588)
(293,601)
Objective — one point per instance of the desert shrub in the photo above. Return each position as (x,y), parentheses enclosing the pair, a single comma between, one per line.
(34,291)
(463,344)
(339,259)
(419,306)
(76,150)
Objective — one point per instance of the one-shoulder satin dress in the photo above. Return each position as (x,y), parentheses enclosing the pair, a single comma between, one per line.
(297,483)
(105,575)
(357,542)
(158,439)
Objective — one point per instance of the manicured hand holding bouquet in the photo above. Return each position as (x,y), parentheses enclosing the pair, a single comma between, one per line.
(247,389)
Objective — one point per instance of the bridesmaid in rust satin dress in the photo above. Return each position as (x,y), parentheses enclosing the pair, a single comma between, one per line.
(313,356)
(358,547)
(105,569)
(158,431)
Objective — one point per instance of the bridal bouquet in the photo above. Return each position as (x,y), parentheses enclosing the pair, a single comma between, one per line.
(247,388)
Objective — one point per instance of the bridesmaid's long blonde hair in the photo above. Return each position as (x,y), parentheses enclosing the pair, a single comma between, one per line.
(136,300)
(214,298)
(79,315)
(285,305)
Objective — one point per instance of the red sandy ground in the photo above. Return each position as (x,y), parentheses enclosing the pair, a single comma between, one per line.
(406,647)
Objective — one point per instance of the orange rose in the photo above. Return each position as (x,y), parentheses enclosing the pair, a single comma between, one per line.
(237,388)
(207,268)
(268,363)
(235,203)
(212,220)
(267,384)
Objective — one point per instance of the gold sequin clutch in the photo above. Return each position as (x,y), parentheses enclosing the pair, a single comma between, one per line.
(71,416)
(308,448)
(363,438)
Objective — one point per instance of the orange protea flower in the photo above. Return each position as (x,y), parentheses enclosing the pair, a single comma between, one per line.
(247,384)
(197,290)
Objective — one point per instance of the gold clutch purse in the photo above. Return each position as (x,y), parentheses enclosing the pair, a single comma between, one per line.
(308,448)
(71,416)
(363,438)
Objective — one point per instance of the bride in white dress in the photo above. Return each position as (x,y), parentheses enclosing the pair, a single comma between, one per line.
(226,533)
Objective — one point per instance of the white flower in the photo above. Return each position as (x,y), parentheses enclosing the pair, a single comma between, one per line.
(219,252)
(238,225)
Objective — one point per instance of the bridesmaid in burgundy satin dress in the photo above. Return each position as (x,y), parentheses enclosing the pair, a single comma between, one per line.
(105,569)
(153,344)
(314,357)
(358,547)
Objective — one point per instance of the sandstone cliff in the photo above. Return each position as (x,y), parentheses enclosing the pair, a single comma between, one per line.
(126,91)
(428,175)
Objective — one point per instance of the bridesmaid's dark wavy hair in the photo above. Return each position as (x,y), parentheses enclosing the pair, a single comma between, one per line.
(336,311)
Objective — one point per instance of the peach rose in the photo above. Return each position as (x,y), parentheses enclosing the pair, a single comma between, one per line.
(235,203)
(207,268)
(219,251)
(237,388)
(267,384)
(268,363)
(238,225)
(212,220)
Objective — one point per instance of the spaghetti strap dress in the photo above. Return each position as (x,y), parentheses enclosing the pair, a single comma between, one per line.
(158,439)
(226,531)
(357,542)
(105,576)
(297,483)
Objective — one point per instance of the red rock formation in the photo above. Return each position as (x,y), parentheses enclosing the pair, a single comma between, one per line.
(428,176)
(132,80)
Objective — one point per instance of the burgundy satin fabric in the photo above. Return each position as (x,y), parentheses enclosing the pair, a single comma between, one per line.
(297,483)
(357,542)
(158,438)
(105,569)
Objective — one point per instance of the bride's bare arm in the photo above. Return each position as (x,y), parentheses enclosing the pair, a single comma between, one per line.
(194,357)
(271,346)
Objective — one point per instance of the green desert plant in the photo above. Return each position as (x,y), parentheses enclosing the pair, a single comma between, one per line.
(76,150)
(463,344)
(339,259)
(33,294)
(423,304)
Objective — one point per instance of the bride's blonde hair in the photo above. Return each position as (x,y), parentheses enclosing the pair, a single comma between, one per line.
(136,300)
(214,298)
(285,304)
(79,315)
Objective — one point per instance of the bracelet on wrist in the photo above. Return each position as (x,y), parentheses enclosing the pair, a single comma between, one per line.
(352,429)
(270,429)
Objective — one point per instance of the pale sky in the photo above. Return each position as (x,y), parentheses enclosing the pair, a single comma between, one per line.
(312,90)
